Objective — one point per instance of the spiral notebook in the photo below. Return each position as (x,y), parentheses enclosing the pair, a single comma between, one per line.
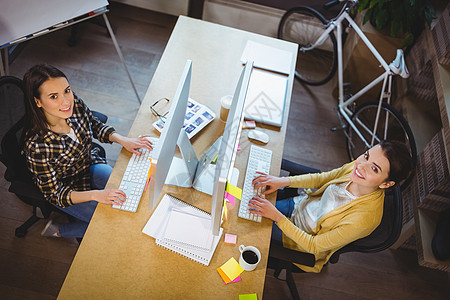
(172,217)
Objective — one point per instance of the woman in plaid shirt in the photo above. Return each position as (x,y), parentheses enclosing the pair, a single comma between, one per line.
(58,143)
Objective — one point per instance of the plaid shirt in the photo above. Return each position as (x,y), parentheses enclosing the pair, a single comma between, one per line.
(59,164)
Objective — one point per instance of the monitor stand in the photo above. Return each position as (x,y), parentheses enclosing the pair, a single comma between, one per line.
(190,171)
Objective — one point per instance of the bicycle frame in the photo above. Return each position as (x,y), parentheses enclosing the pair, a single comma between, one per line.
(386,77)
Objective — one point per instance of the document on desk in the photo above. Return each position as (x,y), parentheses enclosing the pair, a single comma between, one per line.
(266,96)
(158,224)
(188,230)
(267,57)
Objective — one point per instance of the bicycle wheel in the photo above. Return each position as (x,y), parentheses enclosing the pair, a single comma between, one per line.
(303,26)
(397,129)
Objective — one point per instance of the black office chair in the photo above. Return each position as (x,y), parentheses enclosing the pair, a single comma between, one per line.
(384,236)
(12,110)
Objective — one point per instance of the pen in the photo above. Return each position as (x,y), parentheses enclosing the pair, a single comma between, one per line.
(60,24)
(41,32)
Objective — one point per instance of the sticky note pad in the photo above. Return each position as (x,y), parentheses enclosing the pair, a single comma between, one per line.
(248,297)
(236,280)
(233,190)
(230,270)
(249,125)
(229,198)
(230,238)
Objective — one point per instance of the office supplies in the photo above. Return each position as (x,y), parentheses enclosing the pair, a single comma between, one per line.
(196,118)
(258,160)
(235,280)
(230,270)
(267,57)
(266,97)
(258,136)
(249,125)
(158,222)
(230,198)
(248,297)
(230,238)
(188,230)
(135,178)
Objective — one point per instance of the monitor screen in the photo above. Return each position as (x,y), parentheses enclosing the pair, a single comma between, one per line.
(167,144)
(228,147)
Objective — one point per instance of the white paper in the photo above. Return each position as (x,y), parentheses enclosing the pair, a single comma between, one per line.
(189,230)
(267,57)
(197,117)
(266,96)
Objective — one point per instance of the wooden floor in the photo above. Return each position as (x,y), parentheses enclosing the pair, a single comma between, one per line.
(35,267)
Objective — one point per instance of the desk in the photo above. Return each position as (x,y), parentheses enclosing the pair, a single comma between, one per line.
(116,260)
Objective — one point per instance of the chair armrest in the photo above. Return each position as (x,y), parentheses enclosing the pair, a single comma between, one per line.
(298,257)
(295,168)
(102,117)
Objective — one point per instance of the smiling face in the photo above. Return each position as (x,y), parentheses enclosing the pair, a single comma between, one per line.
(372,169)
(56,99)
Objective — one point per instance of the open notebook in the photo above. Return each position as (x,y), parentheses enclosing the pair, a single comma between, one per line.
(184,229)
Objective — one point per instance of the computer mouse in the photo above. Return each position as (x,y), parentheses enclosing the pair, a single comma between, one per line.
(259,136)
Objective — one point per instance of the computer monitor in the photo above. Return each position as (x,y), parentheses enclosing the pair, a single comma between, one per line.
(165,150)
(228,148)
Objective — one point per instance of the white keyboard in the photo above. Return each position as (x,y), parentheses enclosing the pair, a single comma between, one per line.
(258,160)
(135,178)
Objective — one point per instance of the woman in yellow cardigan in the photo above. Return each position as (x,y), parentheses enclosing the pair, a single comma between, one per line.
(348,203)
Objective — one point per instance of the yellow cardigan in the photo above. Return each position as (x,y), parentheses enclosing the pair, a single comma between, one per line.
(339,227)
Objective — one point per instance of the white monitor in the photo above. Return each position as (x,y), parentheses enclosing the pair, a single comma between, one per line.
(228,147)
(167,144)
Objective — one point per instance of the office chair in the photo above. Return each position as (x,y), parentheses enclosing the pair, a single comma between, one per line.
(12,110)
(384,236)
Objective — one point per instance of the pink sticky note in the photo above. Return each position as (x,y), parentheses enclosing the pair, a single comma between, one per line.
(239,148)
(230,238)
(230,198)
(236,280)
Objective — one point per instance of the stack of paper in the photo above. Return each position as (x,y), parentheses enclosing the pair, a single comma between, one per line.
(184,229)
(267,57)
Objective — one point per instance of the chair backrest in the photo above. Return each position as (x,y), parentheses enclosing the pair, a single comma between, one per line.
(12,112)
(12,104)
(386,234)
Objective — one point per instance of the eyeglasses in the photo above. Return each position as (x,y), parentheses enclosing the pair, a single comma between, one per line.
(153,109)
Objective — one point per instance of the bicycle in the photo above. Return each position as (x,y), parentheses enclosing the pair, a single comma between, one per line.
(321,54)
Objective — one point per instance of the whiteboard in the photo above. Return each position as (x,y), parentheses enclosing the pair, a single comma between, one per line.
(19,18)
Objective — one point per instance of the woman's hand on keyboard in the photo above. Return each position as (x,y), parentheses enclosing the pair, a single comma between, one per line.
(265,208)
(110,196)
(272,183)
(132,144)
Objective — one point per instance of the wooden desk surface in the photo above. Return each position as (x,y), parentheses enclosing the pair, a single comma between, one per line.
(116,260)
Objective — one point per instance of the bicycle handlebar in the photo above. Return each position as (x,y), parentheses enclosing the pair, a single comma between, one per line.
(331,4)
(336,2)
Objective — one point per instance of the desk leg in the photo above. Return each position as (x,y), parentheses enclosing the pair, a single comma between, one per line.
(113,37)
(195,8)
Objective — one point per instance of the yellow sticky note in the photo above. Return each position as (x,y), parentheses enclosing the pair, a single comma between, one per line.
(230,270)
(248,297)
(233,190)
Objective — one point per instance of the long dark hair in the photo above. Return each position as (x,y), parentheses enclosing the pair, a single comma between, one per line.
(35,120)
(400,161)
